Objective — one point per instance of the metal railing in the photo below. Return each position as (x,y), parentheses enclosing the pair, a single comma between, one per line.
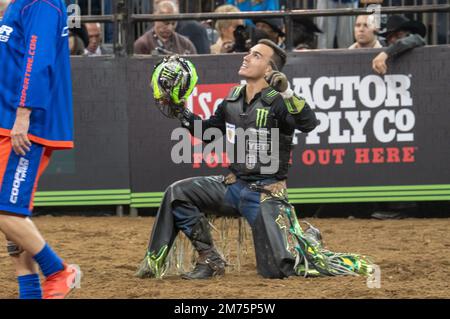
(287,15)
(124,19)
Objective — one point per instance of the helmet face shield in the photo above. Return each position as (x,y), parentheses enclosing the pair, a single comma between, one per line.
(173,80)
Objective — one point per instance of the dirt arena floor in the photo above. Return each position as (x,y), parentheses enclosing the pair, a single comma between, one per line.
(413,255)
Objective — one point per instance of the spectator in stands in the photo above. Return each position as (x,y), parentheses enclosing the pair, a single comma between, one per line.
(78,40)
(94,47)
(401,35)
(304,34)
(272,27)
(337,27)
(195,32)
(3,5)
(76,45)
(365,34)
(192,30)
(226,29)
(162,38)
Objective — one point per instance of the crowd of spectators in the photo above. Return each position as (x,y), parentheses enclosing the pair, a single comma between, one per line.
(237,35)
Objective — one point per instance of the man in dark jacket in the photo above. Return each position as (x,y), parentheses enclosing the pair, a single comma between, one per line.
(401,35)
(195,32)
(191,29)
(256,186)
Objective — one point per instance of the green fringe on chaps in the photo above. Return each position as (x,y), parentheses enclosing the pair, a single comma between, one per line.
(311,258)
(314,260)
(234,246)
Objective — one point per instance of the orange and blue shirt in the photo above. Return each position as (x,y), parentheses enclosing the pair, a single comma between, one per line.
(35,71)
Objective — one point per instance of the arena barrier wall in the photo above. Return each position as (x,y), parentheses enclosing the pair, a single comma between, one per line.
(381,138)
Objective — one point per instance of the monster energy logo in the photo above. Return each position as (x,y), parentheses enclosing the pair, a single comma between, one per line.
(261,117)
(167,74)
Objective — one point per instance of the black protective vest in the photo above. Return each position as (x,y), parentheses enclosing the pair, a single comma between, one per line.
(263,159)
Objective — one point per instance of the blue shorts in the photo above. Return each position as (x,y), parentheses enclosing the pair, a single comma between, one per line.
(19,176)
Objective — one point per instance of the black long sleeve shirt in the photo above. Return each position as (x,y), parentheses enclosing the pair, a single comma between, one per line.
(305,121)
(404,44)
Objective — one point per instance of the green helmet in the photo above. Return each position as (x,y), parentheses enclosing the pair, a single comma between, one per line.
(173,80)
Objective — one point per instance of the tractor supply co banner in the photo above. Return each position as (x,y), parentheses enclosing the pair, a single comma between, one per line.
(380,138)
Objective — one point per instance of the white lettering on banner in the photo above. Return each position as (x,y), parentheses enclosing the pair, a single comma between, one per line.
(335,130)
(387,99)
(358,121)
(319,89)
(348,84)
(380,91)
(398,86)
(350,109)
(384,136)
(203,100)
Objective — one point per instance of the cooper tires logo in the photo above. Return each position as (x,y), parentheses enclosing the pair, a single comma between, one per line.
(19,177)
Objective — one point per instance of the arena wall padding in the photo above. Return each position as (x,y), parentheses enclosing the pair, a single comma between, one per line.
(123,143)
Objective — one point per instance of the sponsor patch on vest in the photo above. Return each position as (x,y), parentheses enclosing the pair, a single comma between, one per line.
(261,117)
(258,146)
(231,132)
